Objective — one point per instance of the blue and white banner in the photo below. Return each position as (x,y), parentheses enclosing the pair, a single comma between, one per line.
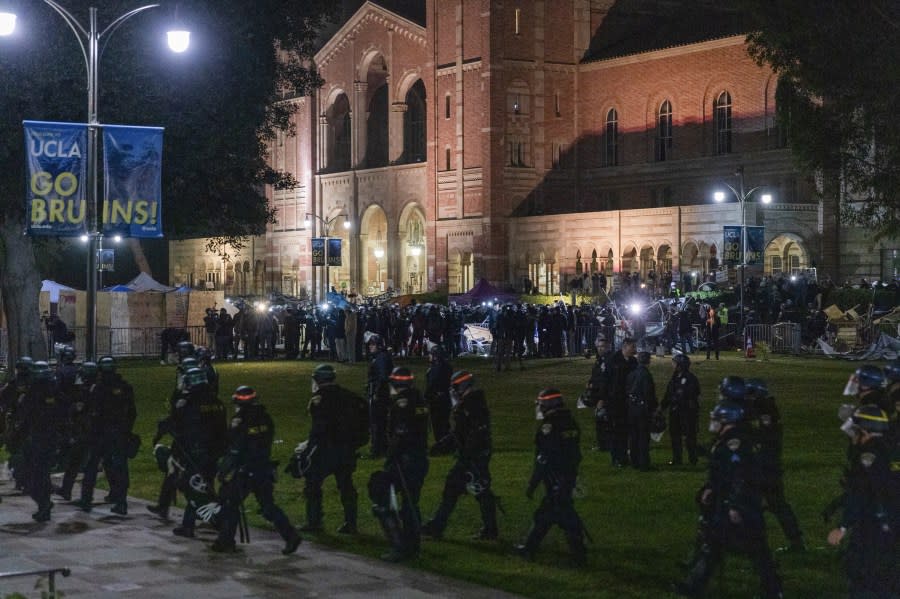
(317,249)
(132,162)
(333,257)
(56,178)
(756,245)
(731,249)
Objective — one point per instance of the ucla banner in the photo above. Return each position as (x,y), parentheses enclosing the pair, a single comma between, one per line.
(132,162)
(731,253)
(56,170)
(318,251)
(756,246)
(334,252)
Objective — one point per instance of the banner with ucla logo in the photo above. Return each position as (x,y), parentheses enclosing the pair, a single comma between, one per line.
(333,257)
(56,178)
(132,162)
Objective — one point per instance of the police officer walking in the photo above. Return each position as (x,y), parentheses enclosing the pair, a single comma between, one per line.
(437,392)
(247,468)
(470,437)
(642,406)
(81,428)
(378,393)
(44,418)
(622,363)
(682,400)
(113,399)
(770,442)
(557,455)
(332,443)
(12,404)
(730,502)
(404,469)
(597,392)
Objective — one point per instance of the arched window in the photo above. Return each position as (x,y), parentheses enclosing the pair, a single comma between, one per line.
(722,111)
(414,124)
(611,157)
(664,132)
(377,129)
(339,123)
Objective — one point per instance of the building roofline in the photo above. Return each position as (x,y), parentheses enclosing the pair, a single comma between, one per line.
(667,52)
(367,12)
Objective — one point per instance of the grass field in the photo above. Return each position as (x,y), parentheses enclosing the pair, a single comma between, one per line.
(642,523)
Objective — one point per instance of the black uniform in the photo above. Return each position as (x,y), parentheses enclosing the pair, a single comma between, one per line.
(113,400)
(80,431)
(732,486)
(770,441)
(380,366)
(15,433)
(556,458)
(682,400)
(870,515)
(641,406)
(404,470)
(470,437)
(247,468)
(331,410)
(598,389)
(617,407)
(437,395)
(44,417)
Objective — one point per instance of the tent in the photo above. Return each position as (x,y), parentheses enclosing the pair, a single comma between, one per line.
(54,288)
(144,282)
(484,292)
(118,288)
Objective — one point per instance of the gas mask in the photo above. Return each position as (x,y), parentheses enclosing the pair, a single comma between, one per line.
(454,398)
(850,429)
(314,386)
(538,413)
(852,387)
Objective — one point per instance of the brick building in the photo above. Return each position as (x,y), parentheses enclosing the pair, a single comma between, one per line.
(530,142)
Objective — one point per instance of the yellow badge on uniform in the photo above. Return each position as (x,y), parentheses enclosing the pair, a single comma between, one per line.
(546,428)
(867,459)
(733,444)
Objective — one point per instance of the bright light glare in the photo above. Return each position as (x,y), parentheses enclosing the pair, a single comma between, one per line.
(379,253)
(635,308)
(346,224)
(117,238)
(307,223)
(766,198)
(7,23)
(324,306)
(261,307)
(84,238)
(719,196)
(179,40)
(415,250)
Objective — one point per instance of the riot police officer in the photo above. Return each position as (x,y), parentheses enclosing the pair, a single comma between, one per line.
(621,365)
(204,360)
(12,402)
(113,399)
(247,468)
(642,404)
(730,502)
(556,458)
(378,393)
(332,448)
(470,437)
(770,442)
(437,391)
(80,428)
(867,384)
(870,508)
(682,400)
(597,392)
(44,418)
(404,469)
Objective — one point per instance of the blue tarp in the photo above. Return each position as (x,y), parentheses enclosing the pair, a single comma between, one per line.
(337,300)
(119,288)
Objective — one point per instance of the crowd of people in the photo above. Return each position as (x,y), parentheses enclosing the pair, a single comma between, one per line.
(84,414)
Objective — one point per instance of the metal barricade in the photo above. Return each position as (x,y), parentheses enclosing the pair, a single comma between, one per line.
(51,578)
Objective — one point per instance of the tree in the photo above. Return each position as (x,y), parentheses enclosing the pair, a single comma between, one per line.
(839,90)
(218,104)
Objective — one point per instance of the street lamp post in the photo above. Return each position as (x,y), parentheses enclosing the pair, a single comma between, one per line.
(742,197)
(92,43)
(326,228)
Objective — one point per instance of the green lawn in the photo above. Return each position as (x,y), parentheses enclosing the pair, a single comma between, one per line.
(642,523)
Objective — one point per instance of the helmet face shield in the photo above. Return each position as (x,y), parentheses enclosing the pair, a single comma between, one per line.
(715,425)
(538,413)
(852,386)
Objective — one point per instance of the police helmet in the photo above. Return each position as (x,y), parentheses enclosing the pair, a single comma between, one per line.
(202,354)
(40,371)
(376,340)
(461,381)
(23,364)
(437,352)
(106,364)
(185,349)
(550,398)
(244,395)
(67,354)
(871,418)
(88,369)
(682,361)
(892,371)
(324,373)
(401,377)
(757,388)
(728,411)
(870,376)
(189,363)
(195,377)
(733,388)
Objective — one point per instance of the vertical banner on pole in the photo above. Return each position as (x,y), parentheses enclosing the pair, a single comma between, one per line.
(318,251)
(731,254)
(132,166)
(756,246)
(334,252)
(56,177)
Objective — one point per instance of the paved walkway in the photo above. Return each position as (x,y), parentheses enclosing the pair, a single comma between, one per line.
(138,556)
